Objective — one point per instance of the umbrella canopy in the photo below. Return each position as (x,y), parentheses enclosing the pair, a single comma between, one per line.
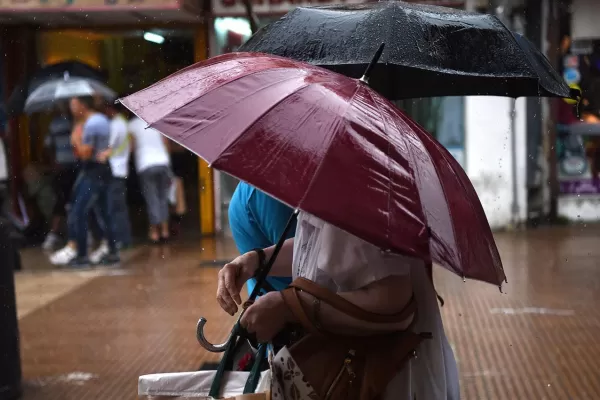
(430,51)
(16,101)
(45,96)
(330,146)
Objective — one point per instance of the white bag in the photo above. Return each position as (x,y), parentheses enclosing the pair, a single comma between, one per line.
(196,385)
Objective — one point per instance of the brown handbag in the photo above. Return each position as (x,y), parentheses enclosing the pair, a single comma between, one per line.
(346,367)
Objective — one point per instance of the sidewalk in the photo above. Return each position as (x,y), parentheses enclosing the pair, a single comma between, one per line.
(92,339)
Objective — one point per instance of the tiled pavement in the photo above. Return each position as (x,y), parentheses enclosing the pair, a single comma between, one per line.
(95,333)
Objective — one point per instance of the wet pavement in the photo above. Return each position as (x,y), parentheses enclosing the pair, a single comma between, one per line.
(100,330)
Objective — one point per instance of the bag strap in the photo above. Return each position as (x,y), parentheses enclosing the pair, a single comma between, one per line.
(292,300)
(343,305)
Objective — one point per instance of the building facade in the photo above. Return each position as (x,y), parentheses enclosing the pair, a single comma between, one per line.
(133,43)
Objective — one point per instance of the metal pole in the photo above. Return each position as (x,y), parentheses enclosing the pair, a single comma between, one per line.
(503,10)
(515,209)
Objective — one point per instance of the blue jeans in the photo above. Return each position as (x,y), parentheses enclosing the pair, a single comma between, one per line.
(120,210)
(94,216)
(92,191)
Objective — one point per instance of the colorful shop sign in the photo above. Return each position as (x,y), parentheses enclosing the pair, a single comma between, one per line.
(229,8)
(82,5)
(578,155)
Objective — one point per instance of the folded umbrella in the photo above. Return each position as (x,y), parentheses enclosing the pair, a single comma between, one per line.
(46,95)
(430,50)
(330,146)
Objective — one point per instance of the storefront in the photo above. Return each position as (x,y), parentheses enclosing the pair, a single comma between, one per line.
(134,44)
(443,117)
(578,139)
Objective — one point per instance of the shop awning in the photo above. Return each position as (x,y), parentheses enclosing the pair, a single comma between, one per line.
(86,13)
(235,8)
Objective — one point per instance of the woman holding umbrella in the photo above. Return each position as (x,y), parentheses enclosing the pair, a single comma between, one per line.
(380,200)
(363,275)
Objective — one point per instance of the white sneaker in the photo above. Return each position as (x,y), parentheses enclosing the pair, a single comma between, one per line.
(99,254)
(63,256)
(51,241)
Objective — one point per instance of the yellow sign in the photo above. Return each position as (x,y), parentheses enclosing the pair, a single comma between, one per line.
(571,101)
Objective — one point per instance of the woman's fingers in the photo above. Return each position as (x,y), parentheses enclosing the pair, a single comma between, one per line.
(229,278)
(224,297)
(226,303)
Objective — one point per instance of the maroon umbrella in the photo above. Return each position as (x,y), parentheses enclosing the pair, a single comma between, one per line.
(332,147)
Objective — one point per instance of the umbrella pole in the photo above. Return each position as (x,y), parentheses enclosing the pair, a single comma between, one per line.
(367,74)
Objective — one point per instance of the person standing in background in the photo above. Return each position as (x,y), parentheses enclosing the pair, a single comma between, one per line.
(257,221)
(153,168)
(3,177)
(68,253)
(95,178)
(118,157)
(65,170)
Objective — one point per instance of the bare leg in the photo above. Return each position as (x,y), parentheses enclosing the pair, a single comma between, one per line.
(153,233)
(164,230)
(180,205)
(56,222)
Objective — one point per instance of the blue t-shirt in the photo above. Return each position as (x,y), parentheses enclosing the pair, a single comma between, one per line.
(96,133)
(257,221)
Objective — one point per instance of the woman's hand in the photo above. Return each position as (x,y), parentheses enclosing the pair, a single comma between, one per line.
(232,278)
(266,317)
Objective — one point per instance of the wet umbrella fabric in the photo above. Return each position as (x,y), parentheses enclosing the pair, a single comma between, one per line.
(45,96)
(430,51)
(16,101)
(330,146)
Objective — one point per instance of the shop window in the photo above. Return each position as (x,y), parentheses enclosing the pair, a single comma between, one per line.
(443,118)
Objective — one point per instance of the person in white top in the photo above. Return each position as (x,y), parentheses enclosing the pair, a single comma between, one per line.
(3,175)
(152,164)
(118,158)
(376,281)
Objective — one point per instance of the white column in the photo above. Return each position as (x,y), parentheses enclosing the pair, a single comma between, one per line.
(489,157)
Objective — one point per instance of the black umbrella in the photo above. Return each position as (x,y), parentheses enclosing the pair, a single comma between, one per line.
(429,51)
(16,101)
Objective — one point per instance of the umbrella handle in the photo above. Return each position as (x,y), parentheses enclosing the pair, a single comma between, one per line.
(214,348)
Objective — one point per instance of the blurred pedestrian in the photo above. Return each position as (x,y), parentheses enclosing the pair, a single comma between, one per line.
(94,180)
(153,168)
(68,253)
(177,202)
(3,177)
(118,157)
(64,171)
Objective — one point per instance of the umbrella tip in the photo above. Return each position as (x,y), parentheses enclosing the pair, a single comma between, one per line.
(374,60)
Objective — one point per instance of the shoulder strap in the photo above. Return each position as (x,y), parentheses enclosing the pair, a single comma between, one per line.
(349,308)
(292,300)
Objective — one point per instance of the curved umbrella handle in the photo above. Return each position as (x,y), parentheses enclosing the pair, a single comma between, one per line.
(214,348)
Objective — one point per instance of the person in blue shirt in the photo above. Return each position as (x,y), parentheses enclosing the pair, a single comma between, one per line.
(94,180)
(257,221)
